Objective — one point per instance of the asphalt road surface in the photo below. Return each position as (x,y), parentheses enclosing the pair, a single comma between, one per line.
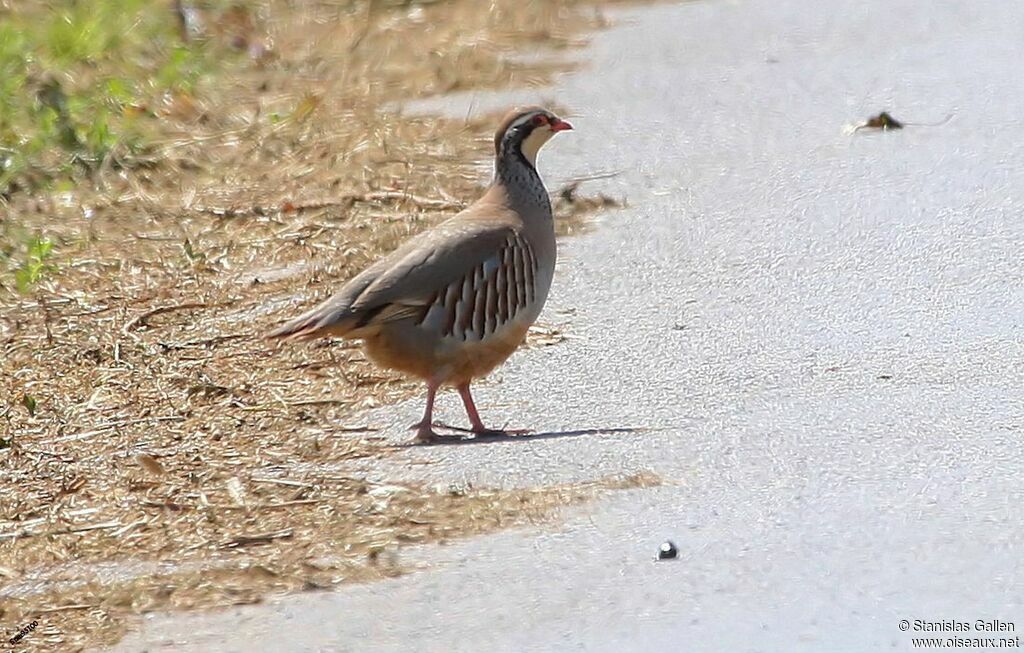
(823,328)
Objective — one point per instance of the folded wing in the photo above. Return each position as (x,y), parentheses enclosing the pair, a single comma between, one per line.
(411,281)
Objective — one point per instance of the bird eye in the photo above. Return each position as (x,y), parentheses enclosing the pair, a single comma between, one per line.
(539,119)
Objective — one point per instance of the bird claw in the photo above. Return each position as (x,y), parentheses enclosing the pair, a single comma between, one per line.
(425,433)
(426,437)
(501,432)
(483,431)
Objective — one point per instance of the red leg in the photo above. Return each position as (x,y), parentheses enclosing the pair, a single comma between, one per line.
(474,416)
(424,428)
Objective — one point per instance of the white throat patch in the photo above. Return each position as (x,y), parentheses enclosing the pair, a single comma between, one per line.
(533,142)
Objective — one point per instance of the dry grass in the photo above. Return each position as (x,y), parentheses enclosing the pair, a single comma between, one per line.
(229,540)
(142,420)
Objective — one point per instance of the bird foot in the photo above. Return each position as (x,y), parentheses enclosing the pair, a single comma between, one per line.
(425,434)
(500,433)
(483,431)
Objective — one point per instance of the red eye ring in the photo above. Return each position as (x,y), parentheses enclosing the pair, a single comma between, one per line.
(539,119)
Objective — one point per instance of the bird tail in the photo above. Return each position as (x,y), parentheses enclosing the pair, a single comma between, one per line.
(321,321)
(336,318)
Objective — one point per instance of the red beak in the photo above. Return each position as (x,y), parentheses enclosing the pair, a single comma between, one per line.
(559,125)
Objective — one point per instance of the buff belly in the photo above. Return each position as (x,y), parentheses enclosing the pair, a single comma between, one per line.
(450,360)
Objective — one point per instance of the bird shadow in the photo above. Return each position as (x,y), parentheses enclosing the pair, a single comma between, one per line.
(505,436)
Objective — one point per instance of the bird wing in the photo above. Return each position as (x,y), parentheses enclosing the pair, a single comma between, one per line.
(406,282)
(487,295)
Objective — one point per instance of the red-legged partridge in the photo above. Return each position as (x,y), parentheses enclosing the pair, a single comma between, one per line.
(453,303)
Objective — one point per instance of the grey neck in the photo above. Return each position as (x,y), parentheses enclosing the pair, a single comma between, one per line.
(520,179)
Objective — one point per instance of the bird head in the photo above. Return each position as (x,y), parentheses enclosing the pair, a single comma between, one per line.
(524,131)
